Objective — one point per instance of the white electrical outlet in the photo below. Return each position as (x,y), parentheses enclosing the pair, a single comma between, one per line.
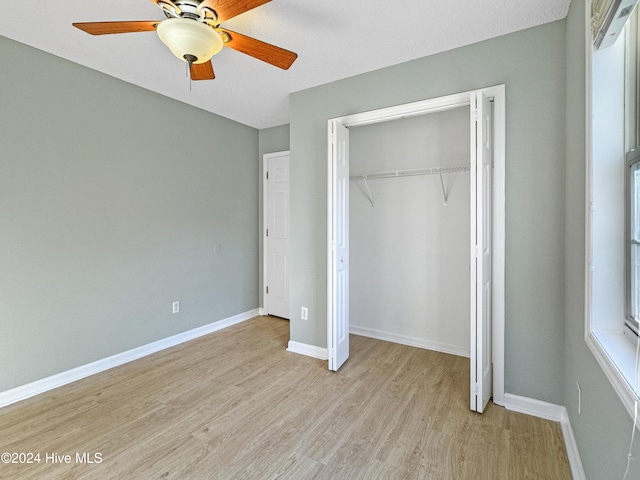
(304,313)
(175,307)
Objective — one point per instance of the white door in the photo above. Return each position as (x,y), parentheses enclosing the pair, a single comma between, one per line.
(338,334)
(276,215)
(481,319)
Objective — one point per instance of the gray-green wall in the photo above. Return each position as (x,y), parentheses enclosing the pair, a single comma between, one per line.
(114,202)
(603,429)
(532,65)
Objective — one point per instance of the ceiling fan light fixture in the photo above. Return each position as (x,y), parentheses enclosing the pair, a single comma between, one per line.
(189,37)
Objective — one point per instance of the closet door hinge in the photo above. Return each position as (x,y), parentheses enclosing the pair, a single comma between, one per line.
(476,114)
(267,289)
(267,233)
(267,175)
(476,389)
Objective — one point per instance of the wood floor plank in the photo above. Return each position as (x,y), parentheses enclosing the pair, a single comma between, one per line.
(236,405)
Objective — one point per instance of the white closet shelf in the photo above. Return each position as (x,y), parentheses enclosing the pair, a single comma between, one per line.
(413,172)
(409,173)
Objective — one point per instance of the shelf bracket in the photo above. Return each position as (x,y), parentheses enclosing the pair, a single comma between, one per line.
(445,195)
(368,193)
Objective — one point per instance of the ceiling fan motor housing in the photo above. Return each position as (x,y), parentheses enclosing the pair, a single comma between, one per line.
(187,9)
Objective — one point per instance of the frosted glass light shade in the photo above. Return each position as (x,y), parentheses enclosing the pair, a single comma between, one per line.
(189,37)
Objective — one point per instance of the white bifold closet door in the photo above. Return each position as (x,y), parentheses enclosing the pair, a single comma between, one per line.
(338,334)
(481,318)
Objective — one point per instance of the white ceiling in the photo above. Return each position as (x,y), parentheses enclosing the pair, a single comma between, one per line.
(334,39)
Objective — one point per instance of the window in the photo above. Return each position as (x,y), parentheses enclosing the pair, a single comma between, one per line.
(632,180)
(613,219)
(633,243)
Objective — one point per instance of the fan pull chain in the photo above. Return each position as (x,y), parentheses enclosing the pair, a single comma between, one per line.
(190,59)
(187,73)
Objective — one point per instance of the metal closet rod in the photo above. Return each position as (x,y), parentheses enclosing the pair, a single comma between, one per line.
(413,172)
(409,173)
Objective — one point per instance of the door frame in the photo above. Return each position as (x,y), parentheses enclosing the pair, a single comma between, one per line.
(497,95)
(265,212)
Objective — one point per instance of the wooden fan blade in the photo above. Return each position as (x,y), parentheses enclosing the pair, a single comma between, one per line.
(104,28)
(266,52)
(226,9)
(202,71)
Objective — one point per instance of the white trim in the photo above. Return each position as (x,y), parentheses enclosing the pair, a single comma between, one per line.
(533,407)
(573,455)
(625,356)
(498,269)
(407,110)
(308,350)
(409,340)
(63,378)
(588,260)
(555,413)
(498,93)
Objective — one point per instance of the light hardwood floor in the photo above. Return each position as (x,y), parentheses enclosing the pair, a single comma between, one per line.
(236,405)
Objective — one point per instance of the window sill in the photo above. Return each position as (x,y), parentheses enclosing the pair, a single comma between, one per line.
(616,356)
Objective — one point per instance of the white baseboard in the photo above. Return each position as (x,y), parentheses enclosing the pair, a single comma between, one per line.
(49,383)
(533,407)
(572,448)
(556,413)
(308,350)
(410,341)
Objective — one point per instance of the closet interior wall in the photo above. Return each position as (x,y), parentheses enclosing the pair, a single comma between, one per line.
(409,252)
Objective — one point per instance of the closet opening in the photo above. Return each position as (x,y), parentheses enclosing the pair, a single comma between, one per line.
(416,231)
(409,231)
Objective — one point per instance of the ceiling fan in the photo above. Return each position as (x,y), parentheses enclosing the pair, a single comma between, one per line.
(193,33)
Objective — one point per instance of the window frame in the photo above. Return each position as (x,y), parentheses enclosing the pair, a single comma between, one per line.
(631,327)
(632,209)
(606,331)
